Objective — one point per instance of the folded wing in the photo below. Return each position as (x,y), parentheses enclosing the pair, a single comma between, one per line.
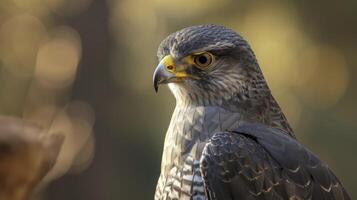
(259,162)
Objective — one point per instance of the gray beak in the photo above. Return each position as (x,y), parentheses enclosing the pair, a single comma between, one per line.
(161,75)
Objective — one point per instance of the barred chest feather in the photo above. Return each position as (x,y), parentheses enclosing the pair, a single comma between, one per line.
(190,129)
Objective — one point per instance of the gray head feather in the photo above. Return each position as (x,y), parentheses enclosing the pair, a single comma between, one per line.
(234,68)
(234,81)
(201,38)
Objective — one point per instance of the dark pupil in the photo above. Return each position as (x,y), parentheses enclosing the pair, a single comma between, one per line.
(202,59)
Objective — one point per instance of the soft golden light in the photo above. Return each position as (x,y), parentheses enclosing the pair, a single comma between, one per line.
(189,8)
(20,37)
(76,123)
(57,60)
(327,79)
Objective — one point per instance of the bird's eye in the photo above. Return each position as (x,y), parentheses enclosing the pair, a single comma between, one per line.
(203,60)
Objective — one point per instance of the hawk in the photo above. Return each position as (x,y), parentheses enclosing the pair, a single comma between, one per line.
(228,139)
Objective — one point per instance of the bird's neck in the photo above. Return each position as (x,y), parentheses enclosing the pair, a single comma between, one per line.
(254,103)
(192,125)
(263,109)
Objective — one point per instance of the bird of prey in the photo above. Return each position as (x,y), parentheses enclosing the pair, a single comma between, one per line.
(228,139)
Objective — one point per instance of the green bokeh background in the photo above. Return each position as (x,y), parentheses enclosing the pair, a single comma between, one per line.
(101,55)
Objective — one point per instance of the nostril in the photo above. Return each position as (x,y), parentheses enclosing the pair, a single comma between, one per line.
(170,67)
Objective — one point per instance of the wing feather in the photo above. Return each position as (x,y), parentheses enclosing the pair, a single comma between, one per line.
(258,162)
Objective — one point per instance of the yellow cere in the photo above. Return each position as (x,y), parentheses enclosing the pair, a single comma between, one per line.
(170,66)
(168,61)
(178,70)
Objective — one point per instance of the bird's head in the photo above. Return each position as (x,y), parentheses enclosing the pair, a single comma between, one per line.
(206,64)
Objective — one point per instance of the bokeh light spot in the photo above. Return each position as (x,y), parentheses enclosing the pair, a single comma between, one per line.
(57,60)
(20,38)
(328,79)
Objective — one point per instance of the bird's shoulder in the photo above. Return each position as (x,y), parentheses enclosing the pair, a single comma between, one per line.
(260,162)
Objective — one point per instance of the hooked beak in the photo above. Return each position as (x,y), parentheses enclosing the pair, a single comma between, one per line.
(167,72)
(161,75)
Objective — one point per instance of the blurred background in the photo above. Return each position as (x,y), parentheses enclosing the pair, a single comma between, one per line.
(84,68)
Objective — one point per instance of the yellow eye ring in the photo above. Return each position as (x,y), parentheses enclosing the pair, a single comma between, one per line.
(203,59)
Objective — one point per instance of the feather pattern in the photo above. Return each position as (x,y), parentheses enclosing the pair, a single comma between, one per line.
(258,162)
(228,139)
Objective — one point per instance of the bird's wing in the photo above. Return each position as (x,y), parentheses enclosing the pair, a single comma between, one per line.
(258,162)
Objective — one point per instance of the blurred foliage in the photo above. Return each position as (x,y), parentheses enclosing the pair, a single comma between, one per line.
(63,62)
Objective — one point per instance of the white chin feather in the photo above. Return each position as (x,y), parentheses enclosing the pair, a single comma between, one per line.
(176,91)
(174,88)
